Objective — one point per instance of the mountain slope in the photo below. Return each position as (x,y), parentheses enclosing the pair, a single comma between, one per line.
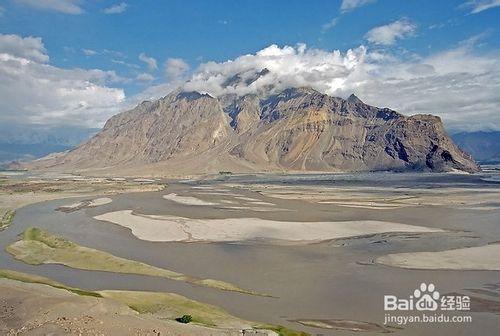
(298,129)
(483,146)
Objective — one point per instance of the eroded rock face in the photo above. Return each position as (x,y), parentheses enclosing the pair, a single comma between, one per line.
(298,129)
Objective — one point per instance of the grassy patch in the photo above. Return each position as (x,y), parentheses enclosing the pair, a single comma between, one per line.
(6,217)
(162,305)
(282,331)
(171,306)
(31,278)
(40,247)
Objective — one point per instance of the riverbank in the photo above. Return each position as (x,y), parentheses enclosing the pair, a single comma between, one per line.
(35,305)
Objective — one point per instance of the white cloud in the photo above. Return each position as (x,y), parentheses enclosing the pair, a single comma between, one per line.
(150,93)
(175,68)
(286,67)
(89,52)
(349,5)
(388,34)
(329,25)
(116,9)
(145,77)
(478,6)
(458,85)
(113,53)
(33,91)
(121,62)
(62,6)
(150,61)
(30,48)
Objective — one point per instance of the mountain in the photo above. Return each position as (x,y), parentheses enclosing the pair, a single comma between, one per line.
(21,142)
(298,129)
(483,146)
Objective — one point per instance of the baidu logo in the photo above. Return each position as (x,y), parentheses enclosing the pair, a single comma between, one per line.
(430,306)
(426,297)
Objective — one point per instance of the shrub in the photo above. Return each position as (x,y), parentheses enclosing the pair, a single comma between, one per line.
(184,319)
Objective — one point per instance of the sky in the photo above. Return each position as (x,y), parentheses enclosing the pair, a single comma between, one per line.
(78,62)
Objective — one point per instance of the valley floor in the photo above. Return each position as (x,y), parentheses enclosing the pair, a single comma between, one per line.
(245,254)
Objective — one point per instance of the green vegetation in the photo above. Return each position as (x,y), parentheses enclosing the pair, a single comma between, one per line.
(31,278)
(161,305)
(6,217)
(171,306)
(39,247)
(282,331)
(184,319)
(225,173)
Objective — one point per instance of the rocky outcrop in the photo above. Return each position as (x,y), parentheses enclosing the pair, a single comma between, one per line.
(298,129)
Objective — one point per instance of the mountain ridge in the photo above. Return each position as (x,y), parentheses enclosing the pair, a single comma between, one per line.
(482,145)
(28,142)
(297,129)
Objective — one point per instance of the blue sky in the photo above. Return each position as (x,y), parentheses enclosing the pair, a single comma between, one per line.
(110,36)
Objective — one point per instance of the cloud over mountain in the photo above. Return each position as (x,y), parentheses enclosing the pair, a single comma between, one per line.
(453,84)
(175,68)
(298,66)
(460,84)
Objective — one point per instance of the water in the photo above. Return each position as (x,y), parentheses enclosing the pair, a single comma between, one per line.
(330,280)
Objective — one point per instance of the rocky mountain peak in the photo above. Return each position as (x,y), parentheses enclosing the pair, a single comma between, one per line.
(192,95)
(297,92)
(245,78)
(354,99)
(297,129)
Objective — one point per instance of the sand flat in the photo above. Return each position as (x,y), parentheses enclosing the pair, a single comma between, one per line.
(100,201)
(85,204)
(187,200)
(173,228)
(383,197)
(72,206)
(470,258)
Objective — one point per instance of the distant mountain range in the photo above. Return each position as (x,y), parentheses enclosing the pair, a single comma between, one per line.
(483,146)
(298,129)
(24,142)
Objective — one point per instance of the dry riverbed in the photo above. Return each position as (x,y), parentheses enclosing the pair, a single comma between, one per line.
(310,246)
(18,190)
(382,198)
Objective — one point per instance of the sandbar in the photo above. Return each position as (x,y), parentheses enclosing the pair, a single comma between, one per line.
(187,200)
(181,229)
(471,258)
